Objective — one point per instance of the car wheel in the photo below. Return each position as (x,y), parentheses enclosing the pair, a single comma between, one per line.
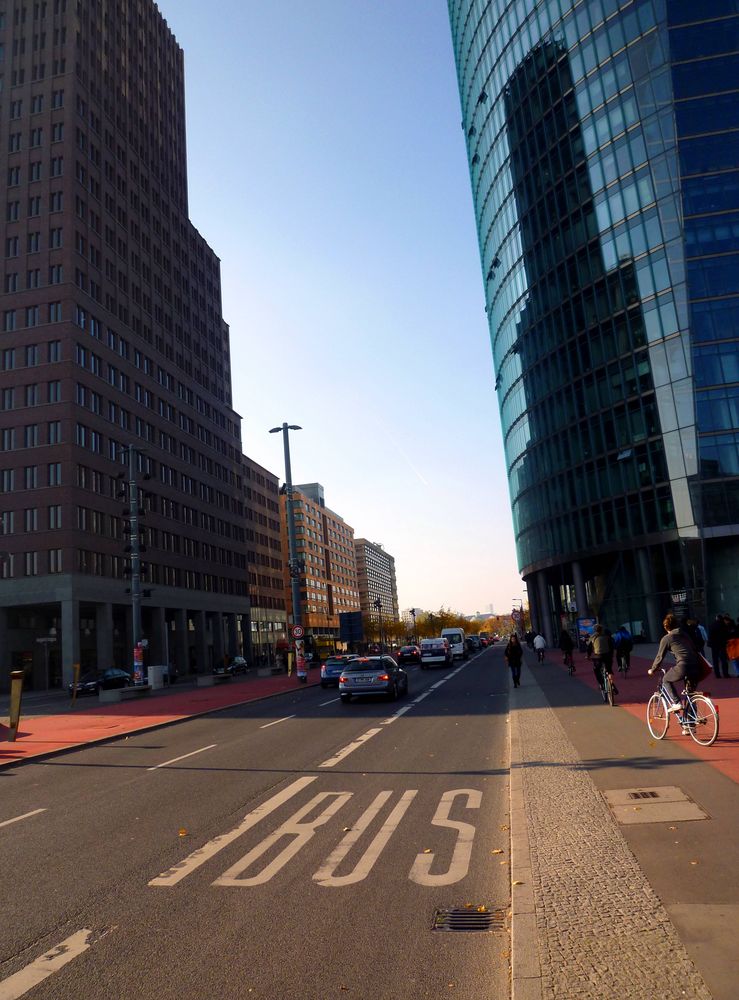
(346,698)
(394,692)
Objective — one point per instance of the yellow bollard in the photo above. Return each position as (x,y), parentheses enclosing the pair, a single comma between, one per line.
(16,693)
(290,658)
(75,681)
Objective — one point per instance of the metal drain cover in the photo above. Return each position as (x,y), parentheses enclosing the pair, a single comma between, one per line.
(662,804)
(469,918)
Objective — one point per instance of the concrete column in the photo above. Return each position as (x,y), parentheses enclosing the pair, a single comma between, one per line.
(654,616)
(581,594)
(545,616)
(158,638)
(533,601)
(182,643)
(202,663)
(216,625)
(70,639)
(104,635)
(233,636)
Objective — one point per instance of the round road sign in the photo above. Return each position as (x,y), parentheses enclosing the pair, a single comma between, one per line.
(298,632)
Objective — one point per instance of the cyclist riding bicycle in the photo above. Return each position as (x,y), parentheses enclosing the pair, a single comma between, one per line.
(600,651)
(566,644)
(540,644)
(687,664)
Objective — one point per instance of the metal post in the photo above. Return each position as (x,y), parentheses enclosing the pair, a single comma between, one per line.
(294,565)
(133,502)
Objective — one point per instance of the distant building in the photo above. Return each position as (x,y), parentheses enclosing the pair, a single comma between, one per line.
(328,573)
(376,576)
(266,561)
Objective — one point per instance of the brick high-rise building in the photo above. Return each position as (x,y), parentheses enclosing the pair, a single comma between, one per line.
(325,549)
(376,577)
(112,338)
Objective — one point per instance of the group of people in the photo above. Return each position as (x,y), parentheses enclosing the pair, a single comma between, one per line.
(684,640)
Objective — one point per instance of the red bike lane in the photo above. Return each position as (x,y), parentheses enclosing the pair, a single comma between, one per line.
(635,689)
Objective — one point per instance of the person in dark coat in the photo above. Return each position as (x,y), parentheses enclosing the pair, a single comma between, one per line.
(687,663)
(718,635)
(514,654)
(567,645)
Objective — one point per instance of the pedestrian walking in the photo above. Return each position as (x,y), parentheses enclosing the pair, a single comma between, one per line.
(718,635)
(623,643)
(540,644)
(691,626)
(514,654)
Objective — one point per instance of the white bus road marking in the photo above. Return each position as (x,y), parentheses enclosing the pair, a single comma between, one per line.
(324,703)
(17,819)
(421,870)
(19,984)
(301,832)
(203,854)
(350,748)
(401,711)
(184,756)
(284,719)
(325,875)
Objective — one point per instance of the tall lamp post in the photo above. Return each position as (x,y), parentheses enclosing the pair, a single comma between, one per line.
(412,613)
(518,611)
(294,563)
(133,515)
(378,604)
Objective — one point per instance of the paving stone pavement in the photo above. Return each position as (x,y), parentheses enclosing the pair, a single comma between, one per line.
(583,927)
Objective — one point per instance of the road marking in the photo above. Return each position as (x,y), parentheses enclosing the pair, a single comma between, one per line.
(401,711)
(324,703)
(276,721)
(203,854)
(421,870)
(350,748)
(183,757)
(325,875)
(17,819)
(301,833)
(17,985)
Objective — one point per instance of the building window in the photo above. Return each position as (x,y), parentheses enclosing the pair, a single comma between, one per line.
(32,395)
(34,242)
(56,238)
(57,166)
(31,563)
(12,246)
(8,439)
(32,317)
(55,312)
(56,201)
(55,560)
(30,477)
(56,277)
(30,519)
(33,278)
(34,206)
(55,346)
(35,171)
(30,436)
(55,391)
(54,435)
(57,131)
(9,320)
(13,211)
(55,473)
(55,516)
(8,399)
(11,281)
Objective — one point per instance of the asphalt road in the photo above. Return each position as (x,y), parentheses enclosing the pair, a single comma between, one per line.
(294,847)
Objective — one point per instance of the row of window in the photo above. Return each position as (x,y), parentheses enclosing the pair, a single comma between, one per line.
(30,477)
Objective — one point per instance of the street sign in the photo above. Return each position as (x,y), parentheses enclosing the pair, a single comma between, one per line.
(298,632)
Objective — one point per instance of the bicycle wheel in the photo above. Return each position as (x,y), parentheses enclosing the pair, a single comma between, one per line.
(657,718)
(608,692)
(702,721)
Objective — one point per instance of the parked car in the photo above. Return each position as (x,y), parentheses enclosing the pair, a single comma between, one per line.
(236,665)
(409,654)
(473,643)
(332,667)
(368,675)
(434,651)
(93,682)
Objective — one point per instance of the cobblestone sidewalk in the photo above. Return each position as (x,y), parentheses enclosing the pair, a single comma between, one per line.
(582,928)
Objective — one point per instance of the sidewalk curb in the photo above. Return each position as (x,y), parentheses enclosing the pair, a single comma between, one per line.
(45,754)
(526,980)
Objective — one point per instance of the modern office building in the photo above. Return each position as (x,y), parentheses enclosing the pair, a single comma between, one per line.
(265,562)
(113,339)
(328,571)
(376,578)
(603,146)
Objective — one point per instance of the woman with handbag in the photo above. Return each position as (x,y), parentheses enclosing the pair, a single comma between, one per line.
(687,664)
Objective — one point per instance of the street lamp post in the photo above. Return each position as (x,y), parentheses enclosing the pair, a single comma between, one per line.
(293,563)
(134,544)
(378,604)
(412,613)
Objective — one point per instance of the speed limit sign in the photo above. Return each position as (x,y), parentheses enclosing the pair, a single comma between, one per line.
(298,632)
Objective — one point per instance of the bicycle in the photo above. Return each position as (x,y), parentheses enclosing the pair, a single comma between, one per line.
(569,663)
(607,689)
(698,716)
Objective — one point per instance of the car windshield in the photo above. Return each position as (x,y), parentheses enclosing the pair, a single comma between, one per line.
(88,678)
(408,649)
(358,666)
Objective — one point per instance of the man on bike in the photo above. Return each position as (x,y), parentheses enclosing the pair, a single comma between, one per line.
(687,664)
(624,644)
(600,651)
(540,644)
(567,645)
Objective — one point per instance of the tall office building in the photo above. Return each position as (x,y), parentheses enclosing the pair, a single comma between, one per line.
(603,145)
(376,578)
(113,339)
(328,571)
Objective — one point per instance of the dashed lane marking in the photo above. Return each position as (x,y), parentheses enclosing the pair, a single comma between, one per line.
(350,748)
(324,703)
(184,756)
(17,819)
(284,719)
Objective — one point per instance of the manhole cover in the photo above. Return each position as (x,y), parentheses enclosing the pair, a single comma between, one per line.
(469,918)
(663,804)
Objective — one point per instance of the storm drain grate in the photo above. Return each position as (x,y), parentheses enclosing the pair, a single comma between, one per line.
(643,795)
(469,918)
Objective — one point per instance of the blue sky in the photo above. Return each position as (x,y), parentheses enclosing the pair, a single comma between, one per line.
(327,170)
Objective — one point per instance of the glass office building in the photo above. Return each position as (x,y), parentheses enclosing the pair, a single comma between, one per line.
(603,144)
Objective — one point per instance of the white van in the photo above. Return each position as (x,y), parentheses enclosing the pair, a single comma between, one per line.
(434,651)
(456,641)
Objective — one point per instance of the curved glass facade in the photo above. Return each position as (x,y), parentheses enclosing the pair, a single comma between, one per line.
(603,143)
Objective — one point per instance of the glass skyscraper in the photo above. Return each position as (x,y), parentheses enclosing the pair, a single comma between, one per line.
(603,144)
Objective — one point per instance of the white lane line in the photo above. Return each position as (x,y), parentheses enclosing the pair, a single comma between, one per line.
(401,711)
(175,874)
(276,721)
(17,819)
(19,984)
(350,748)
(183,757)
(324,703)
